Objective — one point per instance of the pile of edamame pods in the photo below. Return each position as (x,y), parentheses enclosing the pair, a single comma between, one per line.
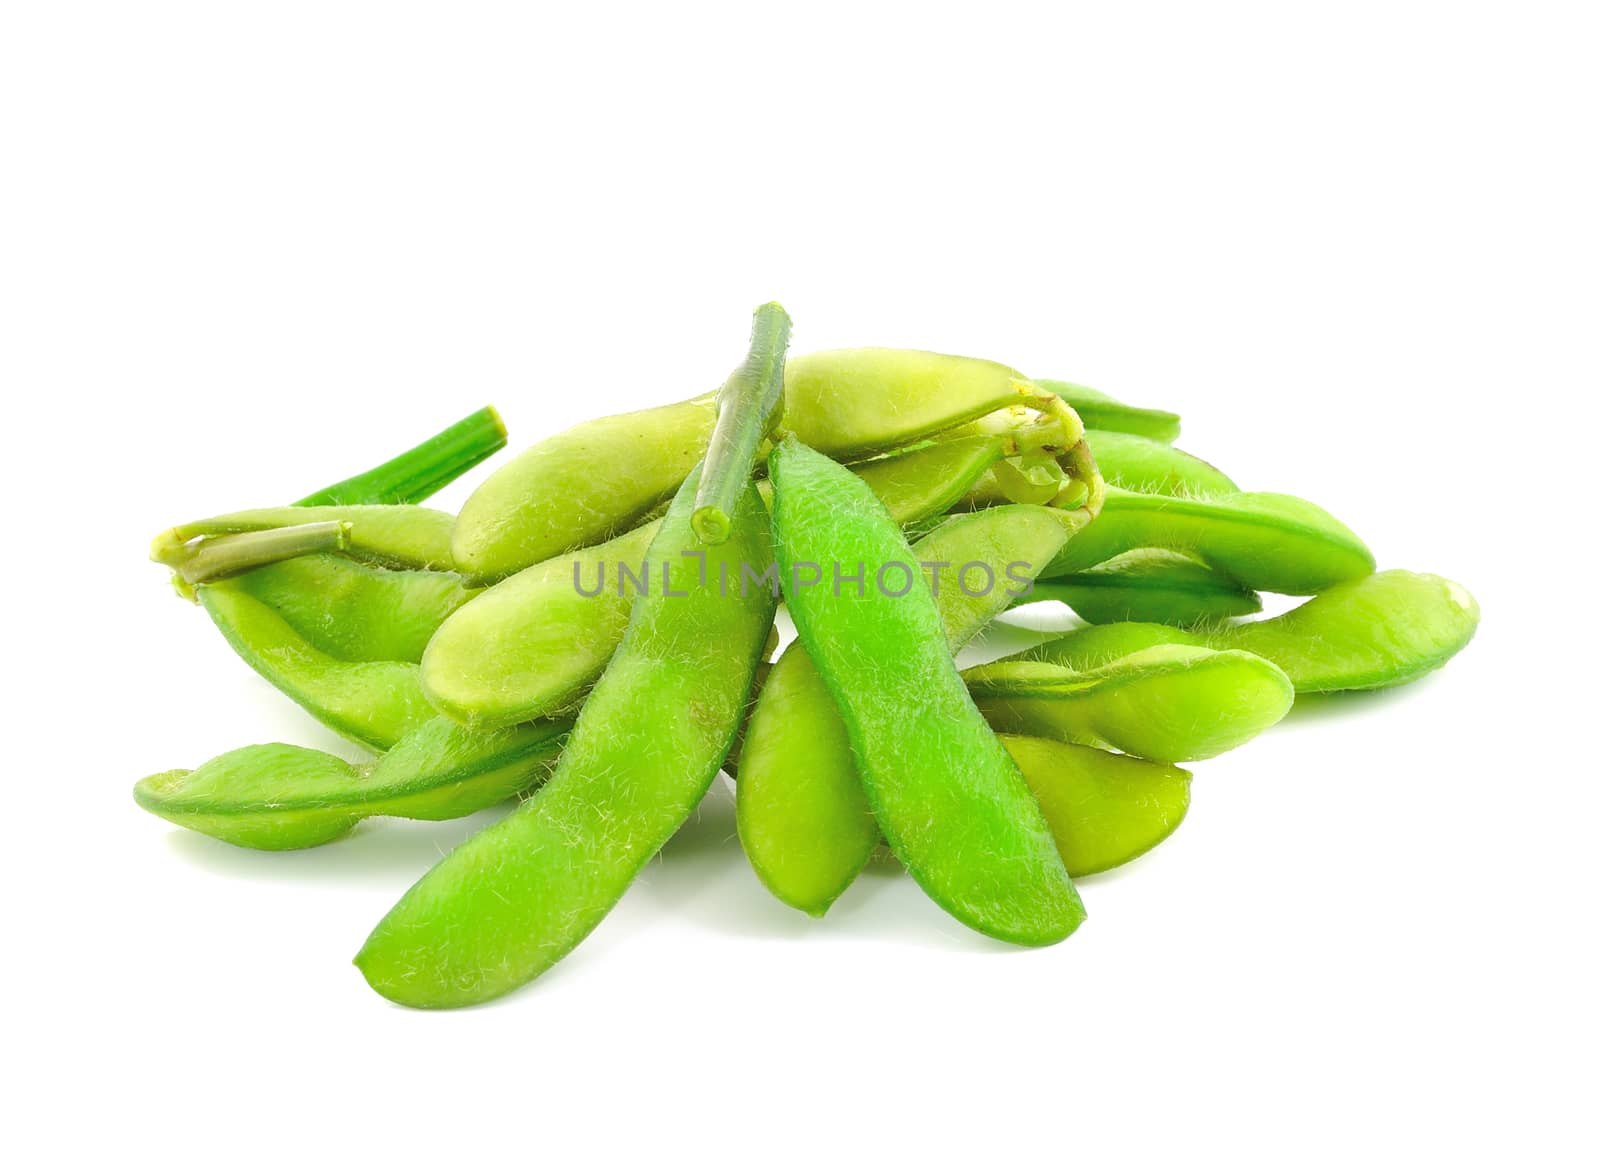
(594,633)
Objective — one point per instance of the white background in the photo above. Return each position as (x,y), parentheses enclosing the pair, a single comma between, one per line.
(247,249)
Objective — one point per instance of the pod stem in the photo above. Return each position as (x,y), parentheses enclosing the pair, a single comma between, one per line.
(748,409)
(426,468)
(224,556)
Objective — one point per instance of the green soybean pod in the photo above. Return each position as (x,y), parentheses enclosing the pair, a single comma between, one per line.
(951,802)
(1148,585)
(1263,541)
(1104,809)
(804,819)
(401,536)
(1383,630)
(579,487)
(1103,413)
(511,901)
(859,401)
(374,703)
(355,612)
(1166,703)
(1137,463)
(531,645)
(569,491)
(281,797)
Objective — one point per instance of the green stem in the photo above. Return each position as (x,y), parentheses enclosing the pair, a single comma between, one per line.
(223,556)
(748,408)
(428,467)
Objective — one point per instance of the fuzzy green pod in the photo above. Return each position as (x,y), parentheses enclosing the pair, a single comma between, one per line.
(531,645)
(1148,585)
(511,901)
(1170,703)
(952,804)
(281,797)
(1386,629)
(804,819)
(1262,541)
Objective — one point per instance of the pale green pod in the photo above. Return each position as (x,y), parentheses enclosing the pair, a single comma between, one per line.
(803,815)
(1166,703)
(1382,630)
(402,536)
(358,613)
(373,703)
(592,481)
(1263,541)
(534,643)
(1103,809)
(1137,463)
(1103,413)
(918,484)
(578,488)
(1148,586)
(280,797)
(861,400)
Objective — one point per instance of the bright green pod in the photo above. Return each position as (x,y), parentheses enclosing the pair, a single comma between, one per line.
(532,644)
(1104,809)
(400,536)
(355,612)
(1148,586)
(1136,463)
(372,703)
(804,819)
(1263,541)
(1166,703)
(1383,630)
(595,480)
(511,901)
(952,804)
(1103,413)
(281,797)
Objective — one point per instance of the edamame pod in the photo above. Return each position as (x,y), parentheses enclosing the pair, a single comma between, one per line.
(952,804)
(1103,413)
(1137,463)
(511,901)
(1263,541)
(804,819)
(281,797)
(1148,586)
(1104,810)
(400,536)
(531,645)
(570,490)
(355,612)
(1166,703)
(1383,630)
(372,703)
